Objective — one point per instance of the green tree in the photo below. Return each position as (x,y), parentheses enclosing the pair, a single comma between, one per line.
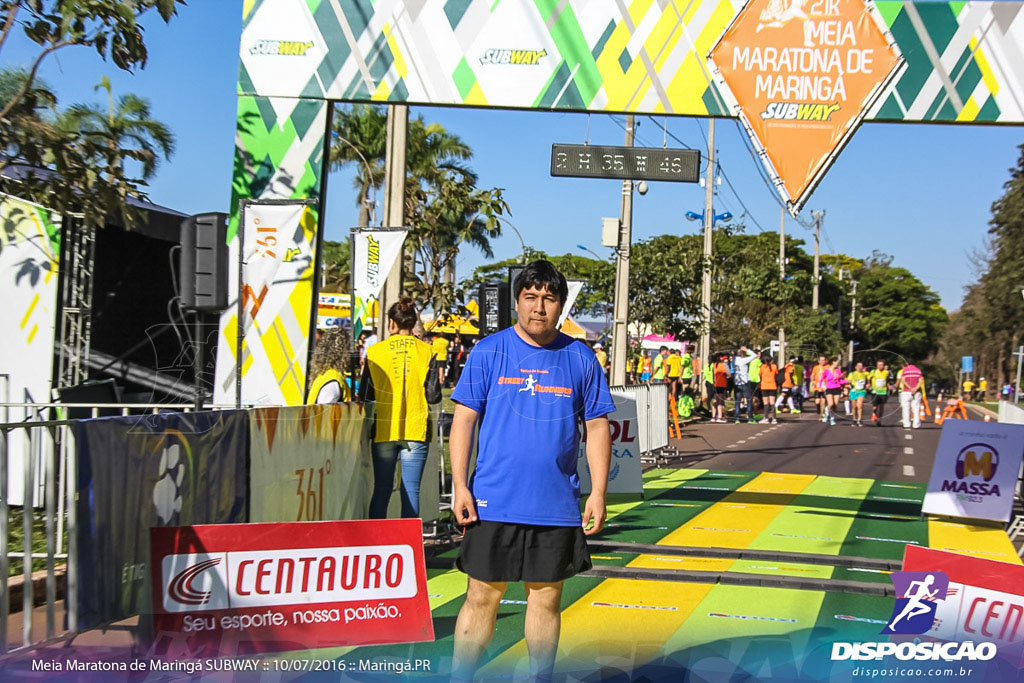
(360,140)
(337,266)
(989,323)
(57,163)
(446,214)
(598,278)
(124,131)
(360,133)
(664,285)
(896,312)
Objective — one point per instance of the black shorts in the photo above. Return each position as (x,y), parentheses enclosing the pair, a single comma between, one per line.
(880,399)
(722,391)
(818,393)
(769,395)
(686,381)
(838,391)
(505,551)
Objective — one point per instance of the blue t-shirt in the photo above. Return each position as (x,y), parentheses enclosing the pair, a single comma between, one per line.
(531,401)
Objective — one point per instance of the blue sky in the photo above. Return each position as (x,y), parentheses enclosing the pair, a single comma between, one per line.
(921,193)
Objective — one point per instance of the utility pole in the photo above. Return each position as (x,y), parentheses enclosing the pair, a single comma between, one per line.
(782,279)
(1016,387)
(394,205)
(818,216)
(709,223)
(853,317)
(620,328)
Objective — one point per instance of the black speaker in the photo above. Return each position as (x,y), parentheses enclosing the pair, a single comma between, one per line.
(204,262)
(513,273)
(494,307)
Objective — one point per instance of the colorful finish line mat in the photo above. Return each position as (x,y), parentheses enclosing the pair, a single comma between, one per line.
(616,627)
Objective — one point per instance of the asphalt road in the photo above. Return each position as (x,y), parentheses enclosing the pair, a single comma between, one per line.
(801,444)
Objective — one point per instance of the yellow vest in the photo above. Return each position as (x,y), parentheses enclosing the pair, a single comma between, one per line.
(398,370)
(325,378)
(441,349)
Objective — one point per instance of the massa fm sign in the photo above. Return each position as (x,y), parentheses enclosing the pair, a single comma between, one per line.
(975,470)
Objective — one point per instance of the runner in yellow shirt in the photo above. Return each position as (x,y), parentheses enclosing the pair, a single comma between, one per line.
(440,346)
(673,369)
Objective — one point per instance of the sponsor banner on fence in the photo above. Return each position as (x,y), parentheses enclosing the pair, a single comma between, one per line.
(292,586)
(373,254)
(139,472)
(983,599)
(975,470)
(626,474)
(309,463)
(276,292)
(29,262)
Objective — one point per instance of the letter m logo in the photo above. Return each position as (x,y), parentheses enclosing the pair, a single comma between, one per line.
(979,460)
(975,464)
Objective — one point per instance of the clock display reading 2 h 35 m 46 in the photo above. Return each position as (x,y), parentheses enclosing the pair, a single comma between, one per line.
(625,163)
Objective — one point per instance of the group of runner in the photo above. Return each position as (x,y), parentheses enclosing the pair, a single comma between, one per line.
(760,389)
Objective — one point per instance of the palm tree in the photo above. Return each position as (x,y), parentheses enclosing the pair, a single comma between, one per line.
(125,131)
(361,133)
(360,137)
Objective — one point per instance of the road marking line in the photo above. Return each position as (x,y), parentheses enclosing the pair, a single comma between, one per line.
(908,437)
(908,450)
(908,470)
(742,441)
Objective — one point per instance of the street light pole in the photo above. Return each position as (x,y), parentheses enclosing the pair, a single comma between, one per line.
(394,204)
(518,234)
(782,280)
(853,316)
(818,216)
(1016,387)
(620,319)
(709,223)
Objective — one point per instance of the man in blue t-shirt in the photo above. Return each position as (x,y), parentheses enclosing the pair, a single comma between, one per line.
(532,388)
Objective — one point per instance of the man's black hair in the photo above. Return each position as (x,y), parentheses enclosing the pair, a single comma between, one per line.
(541,275)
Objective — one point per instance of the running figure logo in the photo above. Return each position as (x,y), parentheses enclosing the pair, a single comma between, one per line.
(916,593)
(531,383)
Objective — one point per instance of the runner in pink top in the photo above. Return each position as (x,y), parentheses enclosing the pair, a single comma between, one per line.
(831,381)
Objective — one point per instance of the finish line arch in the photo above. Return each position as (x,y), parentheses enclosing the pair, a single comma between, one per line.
(950,62)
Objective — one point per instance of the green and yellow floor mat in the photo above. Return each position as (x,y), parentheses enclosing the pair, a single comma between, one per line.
(676,578)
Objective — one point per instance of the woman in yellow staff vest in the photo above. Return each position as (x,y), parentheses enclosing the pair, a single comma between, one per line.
(332,357)
(401,376)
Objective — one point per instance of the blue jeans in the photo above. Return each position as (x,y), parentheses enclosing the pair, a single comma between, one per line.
(385,458)
(745,390)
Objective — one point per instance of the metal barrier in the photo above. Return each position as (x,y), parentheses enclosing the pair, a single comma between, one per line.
(651,414)
(48,479)
(1011,413)
(58,486)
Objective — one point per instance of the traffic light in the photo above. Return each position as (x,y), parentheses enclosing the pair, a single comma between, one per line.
(203,263)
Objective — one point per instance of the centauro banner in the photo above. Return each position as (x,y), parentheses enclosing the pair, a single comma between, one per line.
(274,305)
(296,586)
(803,74)
(29,262)
(373,254)
(309,463)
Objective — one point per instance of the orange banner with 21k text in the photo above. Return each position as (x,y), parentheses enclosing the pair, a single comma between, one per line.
(803,73)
